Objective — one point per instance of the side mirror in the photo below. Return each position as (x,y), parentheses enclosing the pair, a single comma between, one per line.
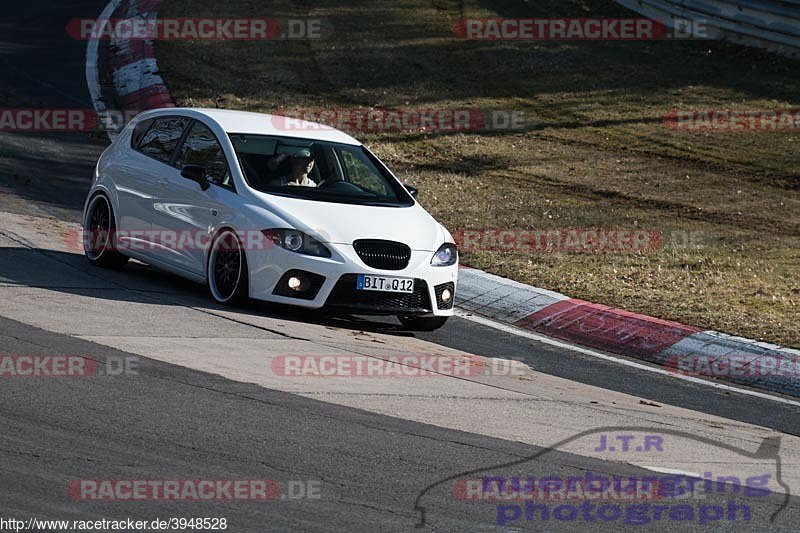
(413,191)
(197,174)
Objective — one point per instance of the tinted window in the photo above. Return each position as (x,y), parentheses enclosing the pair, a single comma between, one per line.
(139,130)
(362,172)
(316,170)
(160,141)
(202,148)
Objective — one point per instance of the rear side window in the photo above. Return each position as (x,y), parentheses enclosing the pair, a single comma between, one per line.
(202,148)
(139,130)
(161,139)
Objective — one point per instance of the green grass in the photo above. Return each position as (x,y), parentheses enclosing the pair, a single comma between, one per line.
(596,152)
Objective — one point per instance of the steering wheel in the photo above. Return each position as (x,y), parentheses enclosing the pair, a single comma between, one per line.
(327,184)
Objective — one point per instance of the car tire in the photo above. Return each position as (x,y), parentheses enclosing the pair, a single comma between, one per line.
(423,323)
(99,235)
(227,270)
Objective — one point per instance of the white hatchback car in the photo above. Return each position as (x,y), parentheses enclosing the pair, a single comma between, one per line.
(302,215)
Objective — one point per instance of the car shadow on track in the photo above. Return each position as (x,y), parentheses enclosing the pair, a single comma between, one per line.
(141,283)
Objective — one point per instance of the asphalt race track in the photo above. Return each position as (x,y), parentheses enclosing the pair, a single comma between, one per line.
(201,403)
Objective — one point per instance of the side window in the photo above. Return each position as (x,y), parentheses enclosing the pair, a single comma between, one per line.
(202,148)
(161,139)
(139,130)
(362,174)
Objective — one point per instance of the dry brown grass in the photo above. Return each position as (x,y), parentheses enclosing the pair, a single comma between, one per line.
(597,153)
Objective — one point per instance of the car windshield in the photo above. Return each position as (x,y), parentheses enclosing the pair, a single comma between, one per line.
(316,170)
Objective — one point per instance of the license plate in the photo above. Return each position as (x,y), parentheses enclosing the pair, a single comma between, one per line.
(381,283)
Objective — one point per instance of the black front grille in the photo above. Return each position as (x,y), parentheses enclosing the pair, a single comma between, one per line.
(345,295)
(439,289)
(383,255)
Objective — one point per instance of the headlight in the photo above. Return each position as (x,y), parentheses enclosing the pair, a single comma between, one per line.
(293,240)
(446,255)
(296,241)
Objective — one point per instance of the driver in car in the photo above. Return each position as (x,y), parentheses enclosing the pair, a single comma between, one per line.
(301,163)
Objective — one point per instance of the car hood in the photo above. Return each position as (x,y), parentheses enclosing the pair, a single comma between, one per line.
(344,223)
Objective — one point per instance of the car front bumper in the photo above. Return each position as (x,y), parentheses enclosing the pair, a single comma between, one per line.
(337,292)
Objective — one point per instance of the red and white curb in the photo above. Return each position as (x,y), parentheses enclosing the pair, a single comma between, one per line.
(621,332)
(129,63)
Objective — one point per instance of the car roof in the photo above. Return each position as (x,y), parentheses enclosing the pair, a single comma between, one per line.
(260,124)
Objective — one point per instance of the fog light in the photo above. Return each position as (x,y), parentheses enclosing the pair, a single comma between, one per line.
(299,284)
(446,295)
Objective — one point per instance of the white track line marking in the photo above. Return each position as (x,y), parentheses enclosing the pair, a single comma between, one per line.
(547,340)
(92,75)
(673,471)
